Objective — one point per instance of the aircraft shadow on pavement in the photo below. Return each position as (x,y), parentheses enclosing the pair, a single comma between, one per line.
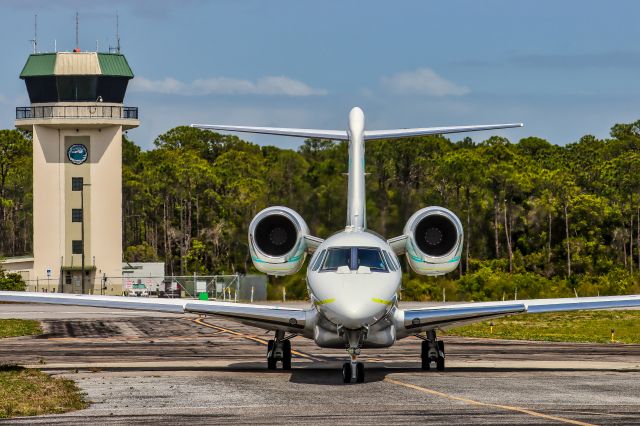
(331,374)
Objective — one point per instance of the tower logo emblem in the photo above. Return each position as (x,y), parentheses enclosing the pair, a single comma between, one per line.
(77,153)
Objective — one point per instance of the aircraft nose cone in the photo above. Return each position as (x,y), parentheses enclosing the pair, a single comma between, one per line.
(355,313)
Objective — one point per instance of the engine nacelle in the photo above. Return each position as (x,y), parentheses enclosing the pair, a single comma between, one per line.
(276,241)
(434,241)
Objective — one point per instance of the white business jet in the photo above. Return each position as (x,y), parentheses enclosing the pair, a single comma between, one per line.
(354,276)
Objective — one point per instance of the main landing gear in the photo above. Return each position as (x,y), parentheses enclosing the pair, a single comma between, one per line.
(279,349)
(353,370)
(432,351)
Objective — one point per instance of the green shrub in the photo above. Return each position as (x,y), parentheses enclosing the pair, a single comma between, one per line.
(10,281)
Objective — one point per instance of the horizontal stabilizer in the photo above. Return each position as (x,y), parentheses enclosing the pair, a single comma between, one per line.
(407,133)
(302,133)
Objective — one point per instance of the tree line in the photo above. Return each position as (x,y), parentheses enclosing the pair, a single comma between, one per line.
(540,219)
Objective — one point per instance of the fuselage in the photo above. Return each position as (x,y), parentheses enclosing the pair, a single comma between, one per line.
(353,278)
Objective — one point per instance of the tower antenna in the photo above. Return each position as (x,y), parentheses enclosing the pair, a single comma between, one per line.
(117,33)
(77,25)
(34,41)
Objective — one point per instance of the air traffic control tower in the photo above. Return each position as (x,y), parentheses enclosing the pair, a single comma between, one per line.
(77,117)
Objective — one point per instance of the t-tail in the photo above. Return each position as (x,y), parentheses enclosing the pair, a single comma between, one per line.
(357,136)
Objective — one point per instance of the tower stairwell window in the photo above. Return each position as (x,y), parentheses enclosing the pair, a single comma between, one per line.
(76,247)
(76,215)
(76,183)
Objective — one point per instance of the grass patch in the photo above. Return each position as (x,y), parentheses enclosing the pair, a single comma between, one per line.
(579,326)
(17,327)
(26,392)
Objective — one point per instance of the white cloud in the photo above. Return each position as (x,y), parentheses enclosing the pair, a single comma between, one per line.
(268,86)
(423,81)
(166,86)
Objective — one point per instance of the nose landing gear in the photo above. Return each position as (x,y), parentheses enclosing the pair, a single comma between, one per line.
(432,351)
(279,349)
(354,370)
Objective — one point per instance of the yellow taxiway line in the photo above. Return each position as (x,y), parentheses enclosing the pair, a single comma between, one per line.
(487,404)
(200,321)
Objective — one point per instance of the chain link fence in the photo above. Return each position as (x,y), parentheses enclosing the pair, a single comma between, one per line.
(232,288)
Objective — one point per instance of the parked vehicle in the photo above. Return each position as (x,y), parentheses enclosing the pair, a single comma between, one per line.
(171,290)
(139,290)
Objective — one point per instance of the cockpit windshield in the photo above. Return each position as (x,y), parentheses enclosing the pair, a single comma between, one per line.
(372,258)
(337,257)
(354,257)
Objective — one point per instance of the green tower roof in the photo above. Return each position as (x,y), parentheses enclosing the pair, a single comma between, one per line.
(76,63)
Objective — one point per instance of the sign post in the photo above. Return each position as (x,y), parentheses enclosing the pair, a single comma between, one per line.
(48,278)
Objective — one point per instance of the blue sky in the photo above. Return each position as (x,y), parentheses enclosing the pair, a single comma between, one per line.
(564,68)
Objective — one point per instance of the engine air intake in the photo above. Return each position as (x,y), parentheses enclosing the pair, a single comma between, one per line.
(436,235)
(276,235)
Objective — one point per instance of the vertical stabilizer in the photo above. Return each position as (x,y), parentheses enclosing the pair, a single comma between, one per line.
(356,207)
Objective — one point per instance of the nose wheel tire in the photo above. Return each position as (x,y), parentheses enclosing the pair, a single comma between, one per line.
(360,373)
(346,372)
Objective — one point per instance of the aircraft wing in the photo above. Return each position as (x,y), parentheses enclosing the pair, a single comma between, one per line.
(265,317)
(303,133)
(417,320)
(406,133)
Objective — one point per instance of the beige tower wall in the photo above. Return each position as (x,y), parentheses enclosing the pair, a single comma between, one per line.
(48,203)
(54,199)
(105,227)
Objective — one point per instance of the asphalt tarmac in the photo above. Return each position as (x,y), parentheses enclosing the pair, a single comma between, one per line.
(143,368)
